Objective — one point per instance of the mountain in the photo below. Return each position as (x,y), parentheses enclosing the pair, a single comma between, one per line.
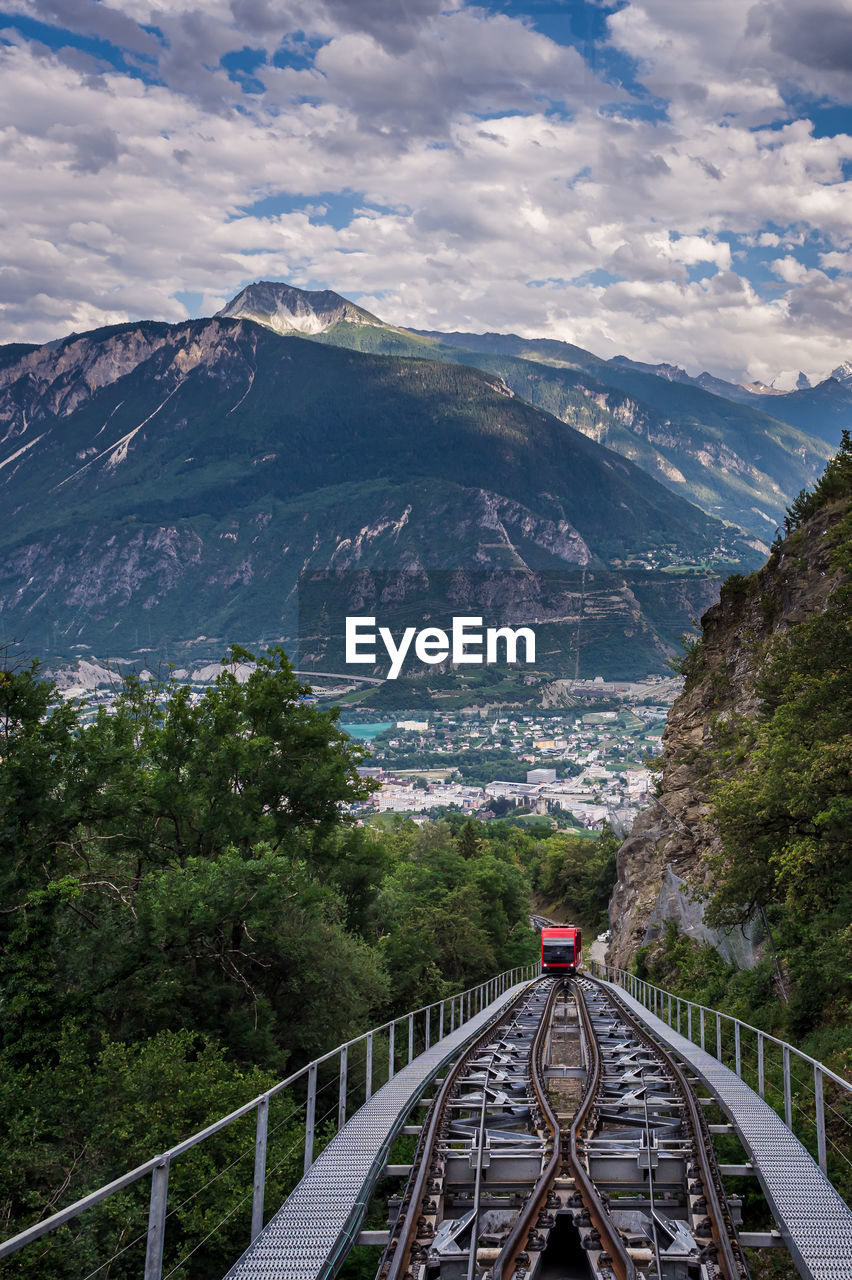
(285,309)
(548,351)
(668,864)
(734,461)
(743,391)
(165,486)
(822,411)
(750,827)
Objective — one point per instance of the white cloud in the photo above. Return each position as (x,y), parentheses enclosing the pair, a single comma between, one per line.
(734,60)
(476,203)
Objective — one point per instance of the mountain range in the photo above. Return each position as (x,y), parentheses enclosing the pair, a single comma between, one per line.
(166,487)
(824,410)
(736,461)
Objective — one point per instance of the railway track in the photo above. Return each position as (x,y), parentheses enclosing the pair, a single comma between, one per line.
(565,1144)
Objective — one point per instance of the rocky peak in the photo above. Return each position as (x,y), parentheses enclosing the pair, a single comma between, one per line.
(285,309)
(843,372)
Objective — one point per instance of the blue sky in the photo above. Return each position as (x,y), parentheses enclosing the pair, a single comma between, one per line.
(656,178)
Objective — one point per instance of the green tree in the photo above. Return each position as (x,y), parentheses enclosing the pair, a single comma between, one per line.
(187,915)
(467,840)
(578,874)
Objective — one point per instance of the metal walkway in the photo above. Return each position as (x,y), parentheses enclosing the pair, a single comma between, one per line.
(815,1223)
(320,1218)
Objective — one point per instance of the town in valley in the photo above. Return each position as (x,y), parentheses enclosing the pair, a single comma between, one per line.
(578,766)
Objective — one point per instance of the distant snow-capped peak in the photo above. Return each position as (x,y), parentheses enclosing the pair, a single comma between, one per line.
(843,372)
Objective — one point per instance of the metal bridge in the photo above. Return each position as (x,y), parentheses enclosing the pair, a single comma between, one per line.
(814,1222)
(308,1237)
(320,1219)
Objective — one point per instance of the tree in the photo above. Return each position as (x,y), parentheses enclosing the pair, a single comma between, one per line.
(467,840)
(187,915)
(202,797)
(579,874)
(785,814)
(38,755)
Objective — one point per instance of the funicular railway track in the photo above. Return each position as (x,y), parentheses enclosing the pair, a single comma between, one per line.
(599,1165)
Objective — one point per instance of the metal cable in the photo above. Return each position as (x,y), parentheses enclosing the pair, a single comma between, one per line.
(325,1116)
(195,1193)
(210,1233)
(241,1156)
(803,1085)
(837,1113)
(111,1260)
(269,1172)
(215,1178)
(288,1116)
(295,1147)
(842,1154)
(232,1211)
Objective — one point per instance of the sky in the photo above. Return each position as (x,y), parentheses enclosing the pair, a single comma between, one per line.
(664,179)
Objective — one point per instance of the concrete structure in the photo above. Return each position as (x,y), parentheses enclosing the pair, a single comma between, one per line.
(541,775)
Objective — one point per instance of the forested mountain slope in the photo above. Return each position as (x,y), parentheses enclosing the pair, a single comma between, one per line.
(733,460)
(165,483)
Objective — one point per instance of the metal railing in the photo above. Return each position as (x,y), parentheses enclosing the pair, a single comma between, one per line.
(753,1055)
(390,1046)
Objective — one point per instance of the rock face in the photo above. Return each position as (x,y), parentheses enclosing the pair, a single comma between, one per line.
(52,382)
(663,862)
(285,309)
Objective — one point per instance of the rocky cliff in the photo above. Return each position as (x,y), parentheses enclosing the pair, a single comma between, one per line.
(285,309)
(663,866)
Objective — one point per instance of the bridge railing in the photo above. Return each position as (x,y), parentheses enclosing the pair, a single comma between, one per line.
(352,1072)
(766,1064)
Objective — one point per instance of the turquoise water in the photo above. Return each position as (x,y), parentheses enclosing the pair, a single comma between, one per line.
(367,731)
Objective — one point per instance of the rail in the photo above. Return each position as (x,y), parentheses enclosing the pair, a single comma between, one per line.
(701,1025)
(505,1264)
(421,1027)
(395,1263)
(587,1182)
(718,1212)
(622,1262)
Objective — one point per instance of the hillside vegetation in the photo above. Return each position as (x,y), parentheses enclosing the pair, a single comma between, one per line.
(735,461)
(777,772)
(185,917)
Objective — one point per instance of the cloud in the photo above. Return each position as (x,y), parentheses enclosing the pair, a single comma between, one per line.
(810,35)
(738,62)
(393,24)
(453,166)
(463,62)
(94,147)
(90,18)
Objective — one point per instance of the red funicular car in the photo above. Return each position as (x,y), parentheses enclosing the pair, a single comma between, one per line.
(560,951)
